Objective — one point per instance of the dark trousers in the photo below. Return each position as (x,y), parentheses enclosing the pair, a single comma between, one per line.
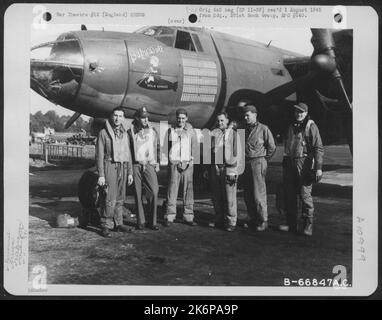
(298,189)
(223,197)
(145,178)
(185,179)
(255,190)
(116,178)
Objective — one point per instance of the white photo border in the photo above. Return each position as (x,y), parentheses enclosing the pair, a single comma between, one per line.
(363,20)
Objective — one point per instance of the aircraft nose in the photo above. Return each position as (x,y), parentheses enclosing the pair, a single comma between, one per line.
(57,70)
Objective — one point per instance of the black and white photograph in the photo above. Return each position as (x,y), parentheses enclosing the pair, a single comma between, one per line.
(191,156)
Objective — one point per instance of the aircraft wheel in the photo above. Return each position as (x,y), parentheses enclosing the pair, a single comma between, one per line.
(87,194)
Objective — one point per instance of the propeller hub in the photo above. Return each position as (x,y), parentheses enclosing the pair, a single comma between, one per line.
(324,63)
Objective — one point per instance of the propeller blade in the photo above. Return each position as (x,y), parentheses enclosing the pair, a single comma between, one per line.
(322,63)
(325,99)
(342,91)
(323,43)
(322,40)
(73,118)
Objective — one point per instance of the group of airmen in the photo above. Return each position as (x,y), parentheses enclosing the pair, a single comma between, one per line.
(131,157)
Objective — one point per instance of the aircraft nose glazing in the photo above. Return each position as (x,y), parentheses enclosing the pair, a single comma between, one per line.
(57,70)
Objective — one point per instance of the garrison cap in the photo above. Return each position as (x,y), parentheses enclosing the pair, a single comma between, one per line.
(250,107)
(301,106)
(141,113)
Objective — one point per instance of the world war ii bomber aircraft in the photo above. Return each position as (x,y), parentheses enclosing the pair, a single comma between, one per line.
(201,70)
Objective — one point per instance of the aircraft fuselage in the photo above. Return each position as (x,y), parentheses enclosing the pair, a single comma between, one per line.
(92,72)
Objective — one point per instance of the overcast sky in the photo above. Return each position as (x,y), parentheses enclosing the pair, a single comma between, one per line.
(296,40)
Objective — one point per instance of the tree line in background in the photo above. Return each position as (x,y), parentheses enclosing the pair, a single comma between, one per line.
(52,120)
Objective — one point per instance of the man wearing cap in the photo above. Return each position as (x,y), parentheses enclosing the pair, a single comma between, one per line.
(224,173)
(181,142)
(259,148)
(114,170)
(302,165)
(145,143)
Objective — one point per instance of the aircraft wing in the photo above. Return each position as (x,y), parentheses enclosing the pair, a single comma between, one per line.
(297,67)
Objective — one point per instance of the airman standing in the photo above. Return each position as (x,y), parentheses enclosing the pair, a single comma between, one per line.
(114,170)
(224,173)
(145,143)
(259,148)
(181,142)
(302,165)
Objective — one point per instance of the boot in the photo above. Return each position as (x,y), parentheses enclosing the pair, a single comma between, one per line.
(262,226)
(105,232)
(140,226)
(284,227)
(190,223)
(167,223)
(308,227)
(123,228)
(216,224)
(229,228)
(288,228)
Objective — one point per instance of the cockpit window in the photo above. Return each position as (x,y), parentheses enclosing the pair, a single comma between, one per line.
(165,35)
(172,38)
(149,32)
(66,36)
(167,40)
(184,41)
(61,51)
(57,69)
(197,42)
(156,31)
(41,52)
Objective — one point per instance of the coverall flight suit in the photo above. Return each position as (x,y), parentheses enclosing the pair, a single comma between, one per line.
(303,154)
(113,163)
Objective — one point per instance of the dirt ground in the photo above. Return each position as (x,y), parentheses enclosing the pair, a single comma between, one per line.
(191,256)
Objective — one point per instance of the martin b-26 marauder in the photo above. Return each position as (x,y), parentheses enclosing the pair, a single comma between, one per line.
(201,70)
